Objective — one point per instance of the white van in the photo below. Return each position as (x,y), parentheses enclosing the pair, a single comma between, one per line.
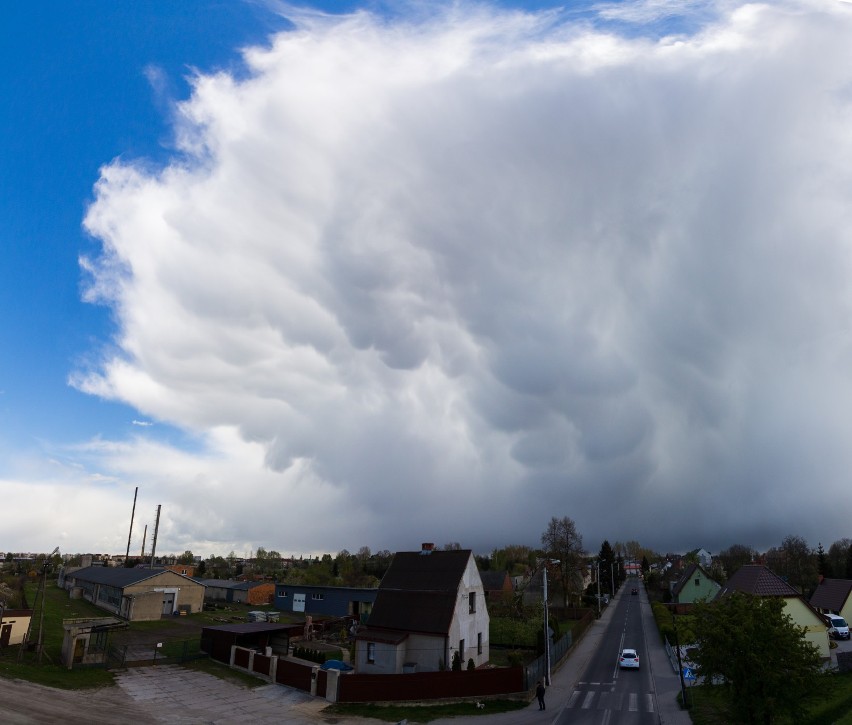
(837,626)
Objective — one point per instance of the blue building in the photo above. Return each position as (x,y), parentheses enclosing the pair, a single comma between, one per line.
(354,602)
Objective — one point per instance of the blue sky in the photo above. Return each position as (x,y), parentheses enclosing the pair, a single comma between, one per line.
(417,270)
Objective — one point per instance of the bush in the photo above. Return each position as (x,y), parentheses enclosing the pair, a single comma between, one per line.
(471,665)
(311,655)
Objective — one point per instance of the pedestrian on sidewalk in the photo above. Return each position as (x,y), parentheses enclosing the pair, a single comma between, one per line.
(539,693)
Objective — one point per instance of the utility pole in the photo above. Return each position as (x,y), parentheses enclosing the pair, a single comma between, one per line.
(598,577)
(679,663)
(546,634)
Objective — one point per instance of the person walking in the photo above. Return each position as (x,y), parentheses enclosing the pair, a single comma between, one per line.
(539,693)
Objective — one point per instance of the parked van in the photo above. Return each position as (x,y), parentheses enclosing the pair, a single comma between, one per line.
(837,626)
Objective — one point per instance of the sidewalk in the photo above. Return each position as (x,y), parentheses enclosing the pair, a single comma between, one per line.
(565,679)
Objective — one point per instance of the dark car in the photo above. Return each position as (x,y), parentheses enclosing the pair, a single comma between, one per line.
(634,590)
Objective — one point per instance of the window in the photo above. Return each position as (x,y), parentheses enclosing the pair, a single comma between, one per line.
(371,652)
(317,597)
(697,582)
(461,651)
(479,643)
(283,593)
(471,603)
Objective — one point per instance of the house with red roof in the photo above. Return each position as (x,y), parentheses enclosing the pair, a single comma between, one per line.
(758,580)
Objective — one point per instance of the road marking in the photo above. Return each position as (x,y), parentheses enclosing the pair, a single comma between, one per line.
(587,703)
(650,702)
(633,703)
(574,697)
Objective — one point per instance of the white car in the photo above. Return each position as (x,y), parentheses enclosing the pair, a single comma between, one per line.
(837,626)
(629,658)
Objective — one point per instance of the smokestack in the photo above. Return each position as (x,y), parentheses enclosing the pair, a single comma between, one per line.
(427,548)
(130,533)
(144,539)
(154,542)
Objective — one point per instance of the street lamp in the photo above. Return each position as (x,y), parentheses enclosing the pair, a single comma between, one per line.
(547,626)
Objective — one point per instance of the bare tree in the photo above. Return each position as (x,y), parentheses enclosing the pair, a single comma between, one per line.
(736,556)
(562,543)
(838,558)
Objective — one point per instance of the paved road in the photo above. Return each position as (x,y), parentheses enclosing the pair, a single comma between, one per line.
(606,693)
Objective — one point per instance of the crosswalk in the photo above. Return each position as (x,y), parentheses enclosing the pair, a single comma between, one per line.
(608,700)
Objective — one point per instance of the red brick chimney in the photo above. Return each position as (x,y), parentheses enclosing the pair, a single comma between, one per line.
(427,548)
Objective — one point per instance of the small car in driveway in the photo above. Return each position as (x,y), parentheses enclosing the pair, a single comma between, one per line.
(634,590)
(629,659)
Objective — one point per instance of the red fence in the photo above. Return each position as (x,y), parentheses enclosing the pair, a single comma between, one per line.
(322,683)
(294,674)
(262,664)
(241,658)
(431,685)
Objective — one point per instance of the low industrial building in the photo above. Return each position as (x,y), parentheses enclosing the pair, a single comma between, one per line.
(135,594)
(322,601)
(230,591)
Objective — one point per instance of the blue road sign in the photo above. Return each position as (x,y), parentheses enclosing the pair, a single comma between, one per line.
(687,674)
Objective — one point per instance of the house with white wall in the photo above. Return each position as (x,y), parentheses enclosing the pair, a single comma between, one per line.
(430,607)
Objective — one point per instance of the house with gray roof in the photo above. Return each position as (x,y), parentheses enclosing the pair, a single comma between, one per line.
(430,607)
(136,594)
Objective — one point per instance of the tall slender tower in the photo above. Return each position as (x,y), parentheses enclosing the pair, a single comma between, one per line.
(154,541)
(130,533)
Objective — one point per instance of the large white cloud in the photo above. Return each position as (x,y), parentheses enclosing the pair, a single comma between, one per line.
(444,279)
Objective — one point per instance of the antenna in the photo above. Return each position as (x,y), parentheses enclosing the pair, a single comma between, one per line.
(130,533)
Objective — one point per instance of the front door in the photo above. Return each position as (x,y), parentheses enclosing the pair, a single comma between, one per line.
(168,602)
(5,634)
(298,602)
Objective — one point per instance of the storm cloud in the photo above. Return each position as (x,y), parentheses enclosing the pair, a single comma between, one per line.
(440,279)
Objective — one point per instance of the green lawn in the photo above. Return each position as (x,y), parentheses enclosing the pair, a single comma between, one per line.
(57,606)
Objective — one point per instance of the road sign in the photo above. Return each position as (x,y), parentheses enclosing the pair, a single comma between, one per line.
(687,674)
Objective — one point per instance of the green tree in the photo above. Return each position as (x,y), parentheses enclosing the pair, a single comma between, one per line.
(823,567)
(186,558)
(606,562)
(564,545)
(766,666)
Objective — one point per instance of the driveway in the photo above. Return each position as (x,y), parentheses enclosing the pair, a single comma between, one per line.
(161,694)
